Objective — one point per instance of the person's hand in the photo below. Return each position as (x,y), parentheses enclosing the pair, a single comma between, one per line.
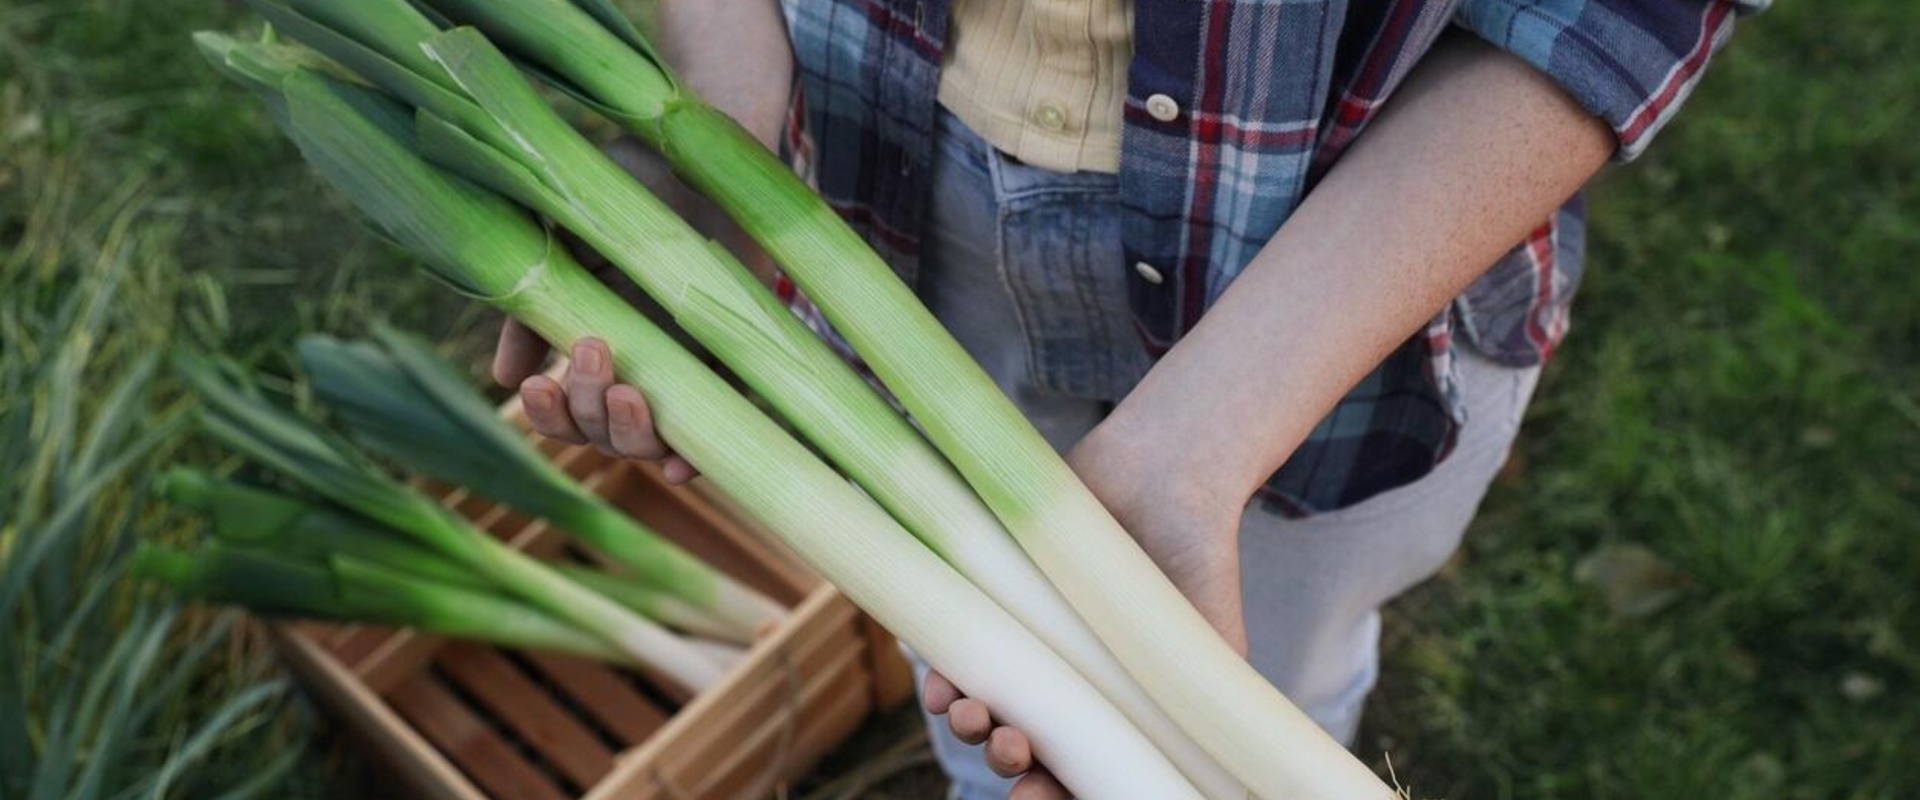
(1008,753)
(737,56)
(586,405)
(1192,537)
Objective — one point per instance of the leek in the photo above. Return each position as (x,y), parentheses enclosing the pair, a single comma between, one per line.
(1214,694)
(491,250)
(346,589)
(251,516)
(254,517)
(302,453)
(401,400)
(470,99)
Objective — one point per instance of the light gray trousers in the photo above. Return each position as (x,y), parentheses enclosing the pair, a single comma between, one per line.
(1005,242)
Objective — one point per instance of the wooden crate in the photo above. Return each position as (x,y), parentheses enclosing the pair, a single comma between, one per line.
(460,721)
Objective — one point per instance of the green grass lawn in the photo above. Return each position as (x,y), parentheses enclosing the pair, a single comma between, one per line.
(1700,575)
(1740,395)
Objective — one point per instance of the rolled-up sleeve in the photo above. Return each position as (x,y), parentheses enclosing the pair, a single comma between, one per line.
(1630,62)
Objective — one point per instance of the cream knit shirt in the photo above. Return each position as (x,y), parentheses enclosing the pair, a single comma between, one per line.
(1041,80)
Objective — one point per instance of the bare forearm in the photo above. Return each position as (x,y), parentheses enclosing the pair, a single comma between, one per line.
(734,53)
(1471,154)
(736,56)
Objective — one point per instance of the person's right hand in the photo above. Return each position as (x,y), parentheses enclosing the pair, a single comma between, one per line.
(586,405)
(737,56)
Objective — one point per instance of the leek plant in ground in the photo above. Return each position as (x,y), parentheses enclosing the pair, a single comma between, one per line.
(470,99)
(302,453)
(366,147)
(1217,697)
(401,400)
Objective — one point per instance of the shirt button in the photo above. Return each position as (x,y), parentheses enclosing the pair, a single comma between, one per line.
(1050,118)
(1147,272)
(1163,108)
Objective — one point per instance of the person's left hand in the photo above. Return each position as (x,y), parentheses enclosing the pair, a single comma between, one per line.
(1194,539)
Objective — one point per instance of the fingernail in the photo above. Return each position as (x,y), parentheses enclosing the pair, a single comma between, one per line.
(587,358)
(540,400)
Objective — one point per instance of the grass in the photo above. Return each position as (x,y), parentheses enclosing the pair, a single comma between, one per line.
(144,205)
(1738,398)
(1727,449)
(104,693)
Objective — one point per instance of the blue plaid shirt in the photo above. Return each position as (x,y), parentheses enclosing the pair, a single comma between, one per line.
(1272,92)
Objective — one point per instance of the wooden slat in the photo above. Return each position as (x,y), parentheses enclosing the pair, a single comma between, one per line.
(761,757)
(426,771)
(778,743)
(717,718)
(604,695)
(353,643)
(470,743)
(892,675)
(524,706)
(831,715)
(401,657)
(778,694)
(770,684)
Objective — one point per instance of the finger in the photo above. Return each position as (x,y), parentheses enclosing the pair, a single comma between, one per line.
(677,471)
(969,720)
(937,693)
(546,407)
(1038,784)
(518,355)
(1008,754)
(630,425)
(588,378)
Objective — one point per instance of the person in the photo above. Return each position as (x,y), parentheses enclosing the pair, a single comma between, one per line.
(1279,277)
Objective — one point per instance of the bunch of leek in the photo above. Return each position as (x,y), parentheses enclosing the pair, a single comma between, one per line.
(369,147)
(1215,696)
(260,536)
(347,589)
(306,455)
(401,400)
(479,118)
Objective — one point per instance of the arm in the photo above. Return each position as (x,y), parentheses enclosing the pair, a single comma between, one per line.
(1475,150)
(734,53)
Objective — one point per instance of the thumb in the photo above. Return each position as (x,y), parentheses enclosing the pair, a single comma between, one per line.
(518,355)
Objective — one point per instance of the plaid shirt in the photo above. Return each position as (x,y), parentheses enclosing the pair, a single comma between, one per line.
(1272,93)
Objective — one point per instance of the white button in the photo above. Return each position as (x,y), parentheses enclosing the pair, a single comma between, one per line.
(1163,108)
(1147,272)
(1050,118)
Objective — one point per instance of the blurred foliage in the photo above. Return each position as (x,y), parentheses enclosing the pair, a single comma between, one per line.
(105,693)
(145,205)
